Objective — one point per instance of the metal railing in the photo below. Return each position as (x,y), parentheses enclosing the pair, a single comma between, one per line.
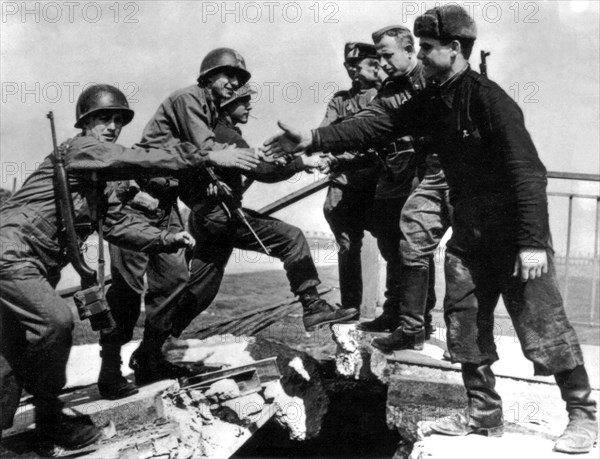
(567,258)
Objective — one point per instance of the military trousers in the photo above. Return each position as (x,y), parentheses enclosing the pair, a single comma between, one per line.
(426,216)
(165,272)
(474,284)
(385,227)
(217,235)
(35,339)
(347,211)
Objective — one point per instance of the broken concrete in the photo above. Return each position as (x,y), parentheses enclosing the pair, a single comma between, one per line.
(422,388)
(166,420)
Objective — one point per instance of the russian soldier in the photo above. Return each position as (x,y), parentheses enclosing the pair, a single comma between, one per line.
(424,217)
(350,194)
(501,241)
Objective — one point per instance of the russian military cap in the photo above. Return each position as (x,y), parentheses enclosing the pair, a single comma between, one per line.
(378,35)
(446,22)
(356,50)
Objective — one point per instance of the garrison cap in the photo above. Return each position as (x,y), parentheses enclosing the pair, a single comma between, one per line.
(447,22)
(355,50)
(244,91)
(378,35)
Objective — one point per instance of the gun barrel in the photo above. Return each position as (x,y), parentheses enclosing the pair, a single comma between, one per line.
(230,205)
(67,214)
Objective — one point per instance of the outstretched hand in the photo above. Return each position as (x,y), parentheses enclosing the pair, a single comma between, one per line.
(239,158)
(290,141)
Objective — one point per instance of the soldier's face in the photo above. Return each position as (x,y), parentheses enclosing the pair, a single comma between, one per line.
(223,84)
(368,70)
(393,57)
(104,126)
(351,69)
(436,58)
(239,110)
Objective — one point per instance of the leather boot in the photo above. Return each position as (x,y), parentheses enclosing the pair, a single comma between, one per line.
(484,414)
(582,431)
(148,362)
(70,432)
(111,383)
(412,295)
(400,339)
(319,312)
(388,321)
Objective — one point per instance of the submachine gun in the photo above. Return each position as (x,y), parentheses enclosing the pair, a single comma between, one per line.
(232,206)
(90,301)
(483,63)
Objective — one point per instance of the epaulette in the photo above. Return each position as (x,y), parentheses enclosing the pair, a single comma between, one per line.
(342,93)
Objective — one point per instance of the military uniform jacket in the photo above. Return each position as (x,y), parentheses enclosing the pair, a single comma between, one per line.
(343,105)
(396,180)
(187,115)
(29,226)
(497,181)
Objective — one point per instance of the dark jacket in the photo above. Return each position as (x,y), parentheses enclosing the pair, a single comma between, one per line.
(29,222)
(396,179)
(497,181)
(361,174)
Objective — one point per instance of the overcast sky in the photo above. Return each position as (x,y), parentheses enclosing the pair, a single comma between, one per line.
(545,54)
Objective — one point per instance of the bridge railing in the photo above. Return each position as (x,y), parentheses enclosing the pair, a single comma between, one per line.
(568,260)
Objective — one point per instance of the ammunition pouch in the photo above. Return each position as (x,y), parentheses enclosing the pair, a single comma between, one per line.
(92,305)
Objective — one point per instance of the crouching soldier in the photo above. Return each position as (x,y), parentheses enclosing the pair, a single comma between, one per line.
(36,324)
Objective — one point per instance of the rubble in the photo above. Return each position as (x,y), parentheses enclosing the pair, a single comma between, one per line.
(422,387)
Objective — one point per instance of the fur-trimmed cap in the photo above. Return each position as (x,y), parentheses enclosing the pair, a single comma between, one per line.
(355,51)
(446,23)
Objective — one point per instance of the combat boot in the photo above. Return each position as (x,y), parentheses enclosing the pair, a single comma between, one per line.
(484,414)
(387,321)
(148,362)
(70,432)
(319,312)
(582,431)
(111,383)
(400,339)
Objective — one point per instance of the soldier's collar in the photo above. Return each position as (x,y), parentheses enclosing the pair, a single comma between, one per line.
(447,88)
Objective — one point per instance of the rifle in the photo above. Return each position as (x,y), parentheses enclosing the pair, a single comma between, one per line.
(230,203)
(90,300)
(483,63)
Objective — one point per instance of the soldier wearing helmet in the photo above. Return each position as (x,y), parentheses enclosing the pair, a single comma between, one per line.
(191,114)
(36,323)
(187,115)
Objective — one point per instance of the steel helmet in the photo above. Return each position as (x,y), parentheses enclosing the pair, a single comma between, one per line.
(244,91)
(221,59)
(102,97)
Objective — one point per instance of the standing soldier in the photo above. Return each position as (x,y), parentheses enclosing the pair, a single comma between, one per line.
(36,323)
(501,241)
(191,114)
(395,48)
(350,194)
(423,221)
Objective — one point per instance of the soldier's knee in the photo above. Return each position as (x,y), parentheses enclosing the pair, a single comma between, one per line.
(59,325)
